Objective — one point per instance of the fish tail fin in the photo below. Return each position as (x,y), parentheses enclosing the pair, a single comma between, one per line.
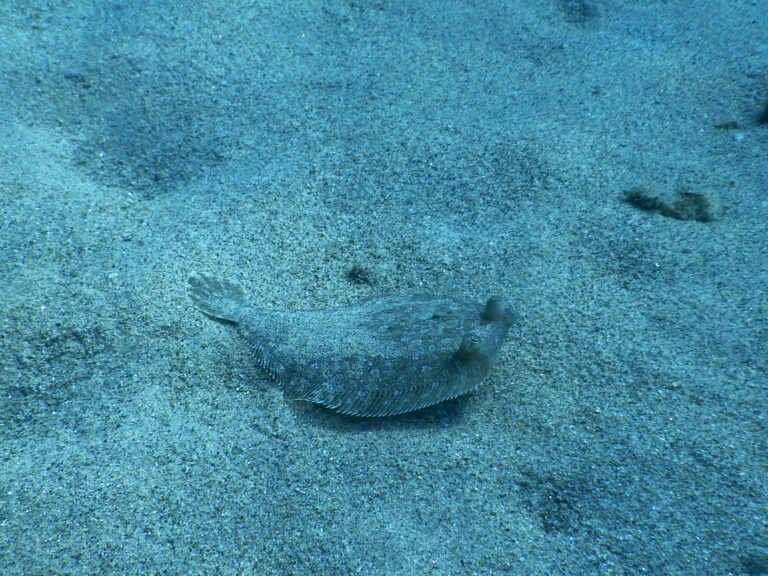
(220,299)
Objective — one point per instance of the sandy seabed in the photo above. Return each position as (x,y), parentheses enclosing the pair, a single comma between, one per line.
(322,153)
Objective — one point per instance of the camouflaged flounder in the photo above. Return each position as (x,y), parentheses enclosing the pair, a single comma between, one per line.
(378,358)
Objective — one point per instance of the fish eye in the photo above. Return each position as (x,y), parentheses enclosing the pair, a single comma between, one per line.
(494,309)
(470,346)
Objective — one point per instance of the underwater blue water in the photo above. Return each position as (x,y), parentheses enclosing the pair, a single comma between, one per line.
(601,165)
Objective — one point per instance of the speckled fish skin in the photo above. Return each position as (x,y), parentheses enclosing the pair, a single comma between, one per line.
(382,357)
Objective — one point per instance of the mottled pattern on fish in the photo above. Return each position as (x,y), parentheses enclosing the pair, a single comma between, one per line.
(381,357)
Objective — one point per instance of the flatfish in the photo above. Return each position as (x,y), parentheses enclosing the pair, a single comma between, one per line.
(380,357)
